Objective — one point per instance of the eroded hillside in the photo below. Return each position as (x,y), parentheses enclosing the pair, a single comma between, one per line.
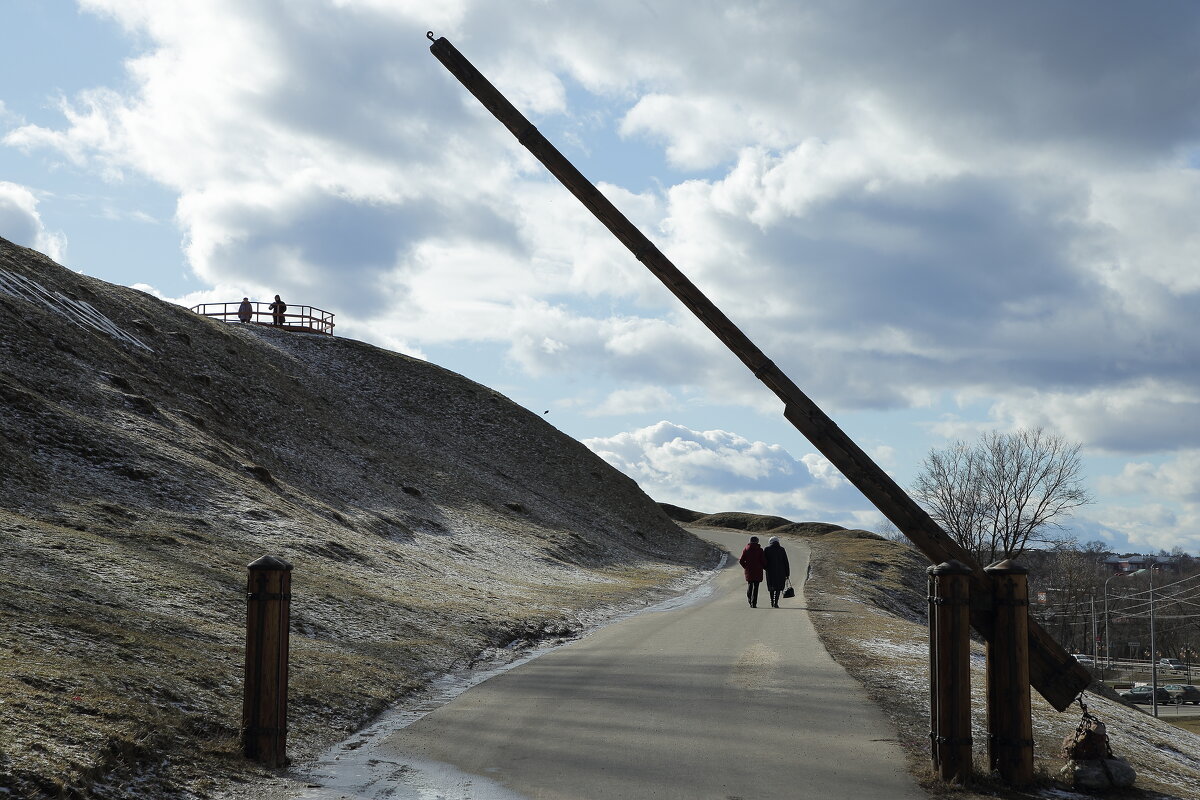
(149,454)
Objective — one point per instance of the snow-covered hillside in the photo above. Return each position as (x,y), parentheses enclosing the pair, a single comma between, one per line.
(149,454)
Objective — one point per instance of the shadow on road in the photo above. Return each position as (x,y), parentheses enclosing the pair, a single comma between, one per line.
(810,608)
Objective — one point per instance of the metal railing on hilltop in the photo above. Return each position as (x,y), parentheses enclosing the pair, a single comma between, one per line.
(297,318)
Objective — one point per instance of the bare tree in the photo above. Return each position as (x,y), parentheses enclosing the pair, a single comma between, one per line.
(951,486)
(1004,492)
(888,530)
(1063,582)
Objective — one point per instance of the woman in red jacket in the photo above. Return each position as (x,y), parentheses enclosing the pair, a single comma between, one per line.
(753,562)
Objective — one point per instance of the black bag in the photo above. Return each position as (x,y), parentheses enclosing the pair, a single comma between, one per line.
(789,591)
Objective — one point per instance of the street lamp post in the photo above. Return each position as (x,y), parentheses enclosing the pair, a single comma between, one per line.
(1095,638)
(1107,641)
(1153,644)
(1153,650)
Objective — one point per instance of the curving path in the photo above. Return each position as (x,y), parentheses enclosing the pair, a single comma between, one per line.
(713,700)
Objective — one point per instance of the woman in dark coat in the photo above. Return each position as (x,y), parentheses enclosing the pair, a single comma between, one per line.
(777,569)
(277,310)
(752,562)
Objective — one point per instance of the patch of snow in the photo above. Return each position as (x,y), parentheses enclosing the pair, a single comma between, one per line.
(410,779)
(889,648)
(78,311)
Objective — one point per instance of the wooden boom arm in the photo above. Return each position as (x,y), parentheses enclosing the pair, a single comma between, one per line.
(1055,674)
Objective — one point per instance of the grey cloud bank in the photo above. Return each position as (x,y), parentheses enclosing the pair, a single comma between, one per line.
(905,205)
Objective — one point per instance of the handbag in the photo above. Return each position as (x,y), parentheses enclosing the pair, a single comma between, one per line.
(789,591)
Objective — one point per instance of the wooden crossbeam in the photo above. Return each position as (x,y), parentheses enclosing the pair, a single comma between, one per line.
(1054,673)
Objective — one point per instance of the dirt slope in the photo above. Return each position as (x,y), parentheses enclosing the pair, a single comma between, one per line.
(148,454)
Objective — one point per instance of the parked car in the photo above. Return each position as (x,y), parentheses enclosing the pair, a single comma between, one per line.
(1173,664)
(1143,694)
(1084,658)
(1183,693)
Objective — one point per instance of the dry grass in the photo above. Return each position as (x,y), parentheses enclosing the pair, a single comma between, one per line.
(143,697)
(1191,724)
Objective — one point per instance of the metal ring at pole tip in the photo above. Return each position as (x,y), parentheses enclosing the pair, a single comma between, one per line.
(429,35)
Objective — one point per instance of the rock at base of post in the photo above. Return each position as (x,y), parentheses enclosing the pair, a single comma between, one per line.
(1099,774)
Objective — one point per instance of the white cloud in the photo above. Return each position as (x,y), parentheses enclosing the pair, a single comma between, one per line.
(110,212)
(1150,232)
(1177,479)
(21,223)
(1153,526)
(823,471)
(883,455)
(721,471)
(1141,416)
(634,401)
(701,131)
(1153,505)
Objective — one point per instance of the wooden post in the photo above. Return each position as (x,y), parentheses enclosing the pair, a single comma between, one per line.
(931,596)
(264,703)
(1009,715)
(950,670)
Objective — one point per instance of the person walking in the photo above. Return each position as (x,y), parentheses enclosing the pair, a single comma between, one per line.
(245,310)
(753,563)
(776,565)
(277,310)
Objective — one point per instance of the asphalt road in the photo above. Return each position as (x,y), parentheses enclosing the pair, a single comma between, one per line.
(713,700)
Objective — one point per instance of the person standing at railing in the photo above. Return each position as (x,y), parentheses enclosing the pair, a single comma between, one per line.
(277,310)
(245,310)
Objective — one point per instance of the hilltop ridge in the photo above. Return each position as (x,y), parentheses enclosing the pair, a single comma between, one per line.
(150,453)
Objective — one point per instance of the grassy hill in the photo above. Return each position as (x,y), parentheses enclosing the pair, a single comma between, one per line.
(149,454)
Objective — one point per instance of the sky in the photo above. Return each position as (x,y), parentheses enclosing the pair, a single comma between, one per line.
(938,218)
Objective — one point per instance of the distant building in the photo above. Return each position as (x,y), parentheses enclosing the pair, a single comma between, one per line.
(1118,565)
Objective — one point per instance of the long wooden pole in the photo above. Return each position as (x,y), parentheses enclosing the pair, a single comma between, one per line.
(1057,676)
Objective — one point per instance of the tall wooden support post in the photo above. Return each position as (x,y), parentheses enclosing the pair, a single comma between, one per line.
(264,704)
(1009,715)
(931,596)
(950,670)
